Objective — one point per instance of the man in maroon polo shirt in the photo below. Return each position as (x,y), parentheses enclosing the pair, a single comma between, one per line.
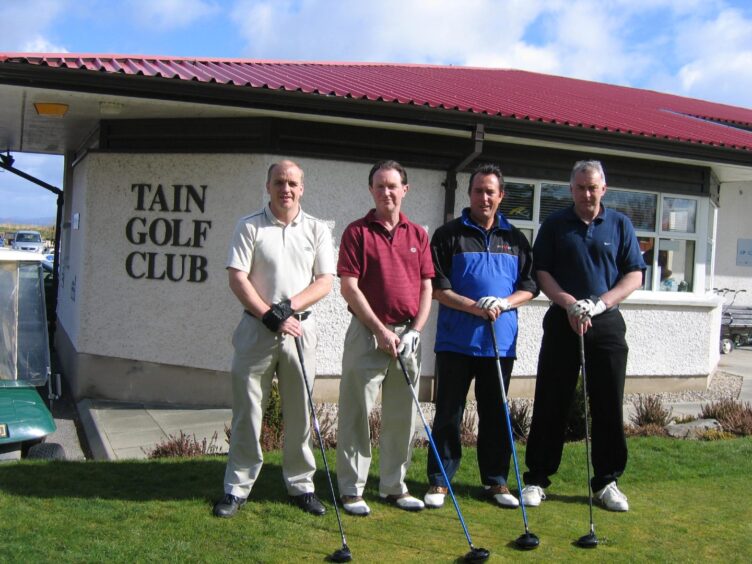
(385,269)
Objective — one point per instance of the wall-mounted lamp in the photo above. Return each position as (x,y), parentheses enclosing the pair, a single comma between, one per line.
(110,108)
(51,109)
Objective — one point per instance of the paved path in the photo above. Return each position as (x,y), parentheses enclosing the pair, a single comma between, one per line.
(120,430)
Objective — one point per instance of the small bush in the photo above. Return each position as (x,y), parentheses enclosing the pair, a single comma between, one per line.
(272,425)
(184,446)
(374,425)
(715,435)
(647,430)
(685,419)
(519,413)
(327,428)
(733,416)
(575,430)
(649,410)
(468,436)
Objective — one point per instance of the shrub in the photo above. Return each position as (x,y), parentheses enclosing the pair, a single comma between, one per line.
(374,425)
(647,430)
(327,428)
(184,446)
(468,436)
(733,416)
(575,430)
(519,414)
(272,425)
(649,410)
(685,418)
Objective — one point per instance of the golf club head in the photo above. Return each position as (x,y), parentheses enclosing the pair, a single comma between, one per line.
(528,541)
(477,555)
(341,555)
(587,541)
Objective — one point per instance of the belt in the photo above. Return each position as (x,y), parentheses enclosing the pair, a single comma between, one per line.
(302,316)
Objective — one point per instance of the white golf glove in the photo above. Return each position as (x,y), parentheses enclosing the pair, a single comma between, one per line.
(409,342)
(491,302)
(587,308)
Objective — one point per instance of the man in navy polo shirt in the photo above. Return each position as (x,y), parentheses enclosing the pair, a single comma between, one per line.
(385,270)
(483,273)
(587,261)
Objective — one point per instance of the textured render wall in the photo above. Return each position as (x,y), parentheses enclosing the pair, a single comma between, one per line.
(190,324)
(733,224)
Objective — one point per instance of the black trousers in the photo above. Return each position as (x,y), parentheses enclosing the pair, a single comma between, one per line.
(454,373)
(558,369)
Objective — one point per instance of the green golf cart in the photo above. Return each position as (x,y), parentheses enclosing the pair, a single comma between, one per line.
(25,420)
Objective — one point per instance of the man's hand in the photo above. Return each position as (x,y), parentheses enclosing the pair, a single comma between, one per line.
(492,302)
(587,308)
(277,315)
(409,343)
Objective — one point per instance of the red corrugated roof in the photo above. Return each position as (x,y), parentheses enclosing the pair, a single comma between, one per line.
(497,92)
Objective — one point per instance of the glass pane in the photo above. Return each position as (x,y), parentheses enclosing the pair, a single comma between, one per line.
(679,214)
(8,319)
(33,346)
(647,246)
(640,207)
(676,261)
(554,197)
(518,200)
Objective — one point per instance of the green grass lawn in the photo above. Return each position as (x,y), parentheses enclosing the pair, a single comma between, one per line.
(689,502)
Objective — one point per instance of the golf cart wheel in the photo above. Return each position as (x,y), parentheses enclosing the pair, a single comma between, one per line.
(46,451)
(727,345)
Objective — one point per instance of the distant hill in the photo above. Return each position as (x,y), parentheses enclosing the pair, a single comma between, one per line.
(38,221)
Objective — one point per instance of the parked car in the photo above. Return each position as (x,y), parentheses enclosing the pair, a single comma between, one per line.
(25,366)
(28,241)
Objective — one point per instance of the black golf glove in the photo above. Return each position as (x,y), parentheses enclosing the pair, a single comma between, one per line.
(277,315)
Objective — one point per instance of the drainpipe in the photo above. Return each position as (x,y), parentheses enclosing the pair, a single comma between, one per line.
(6,162)
(450,184)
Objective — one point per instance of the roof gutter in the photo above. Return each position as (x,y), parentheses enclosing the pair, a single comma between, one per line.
(450,184)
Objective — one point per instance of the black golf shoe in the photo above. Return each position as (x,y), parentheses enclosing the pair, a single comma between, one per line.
(228,506)
(309,503)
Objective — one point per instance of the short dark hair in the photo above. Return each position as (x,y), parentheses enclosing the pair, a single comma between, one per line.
(388,165)
(486,169)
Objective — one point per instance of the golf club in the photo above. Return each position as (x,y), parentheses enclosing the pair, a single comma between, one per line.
(589,540)
(343,554)
(528,540)
(475,554)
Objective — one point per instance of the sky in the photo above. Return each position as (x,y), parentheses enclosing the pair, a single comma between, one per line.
(696,48)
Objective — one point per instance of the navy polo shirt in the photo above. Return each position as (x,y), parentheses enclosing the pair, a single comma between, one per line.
(587,260)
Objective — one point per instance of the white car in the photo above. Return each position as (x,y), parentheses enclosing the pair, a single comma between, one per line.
(28,241)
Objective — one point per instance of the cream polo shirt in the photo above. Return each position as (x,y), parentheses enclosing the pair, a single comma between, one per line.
(281,260)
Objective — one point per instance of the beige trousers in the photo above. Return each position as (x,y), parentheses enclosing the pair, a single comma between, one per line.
(259,355)
(365,370)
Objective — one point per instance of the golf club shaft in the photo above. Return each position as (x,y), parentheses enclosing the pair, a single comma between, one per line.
(509,423)
(587,427)
(299,346)
(435,450)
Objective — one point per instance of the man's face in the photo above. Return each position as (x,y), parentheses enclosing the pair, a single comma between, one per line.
(285,188)
(387,190)
(485,197)
(587,190)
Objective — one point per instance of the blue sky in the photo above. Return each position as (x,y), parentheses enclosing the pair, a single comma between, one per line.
(696,48)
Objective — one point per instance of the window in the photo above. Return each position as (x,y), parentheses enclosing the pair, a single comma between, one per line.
(676,244)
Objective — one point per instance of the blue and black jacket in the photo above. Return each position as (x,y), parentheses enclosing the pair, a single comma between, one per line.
(475,263)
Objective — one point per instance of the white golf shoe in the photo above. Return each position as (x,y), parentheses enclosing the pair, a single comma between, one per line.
(404,501)
(612,499)
(502,496)
(532,496)
(434,497)
(355,505)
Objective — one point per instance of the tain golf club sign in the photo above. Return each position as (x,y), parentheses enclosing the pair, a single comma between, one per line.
(176,236)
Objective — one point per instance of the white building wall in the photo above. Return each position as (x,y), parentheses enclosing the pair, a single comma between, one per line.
(734,223)
(189,324)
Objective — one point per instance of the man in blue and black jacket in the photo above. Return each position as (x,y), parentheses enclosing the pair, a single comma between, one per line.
(483,273)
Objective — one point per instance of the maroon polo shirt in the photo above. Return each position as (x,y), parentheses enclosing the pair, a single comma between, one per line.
(389,268)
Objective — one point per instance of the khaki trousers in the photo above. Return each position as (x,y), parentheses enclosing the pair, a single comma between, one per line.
(259,355)
(365,370)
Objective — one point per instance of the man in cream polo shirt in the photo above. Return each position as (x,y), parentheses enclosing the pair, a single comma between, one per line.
(280,263)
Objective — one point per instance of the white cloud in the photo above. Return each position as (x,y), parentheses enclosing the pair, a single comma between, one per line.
(24,24)
(171,14)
